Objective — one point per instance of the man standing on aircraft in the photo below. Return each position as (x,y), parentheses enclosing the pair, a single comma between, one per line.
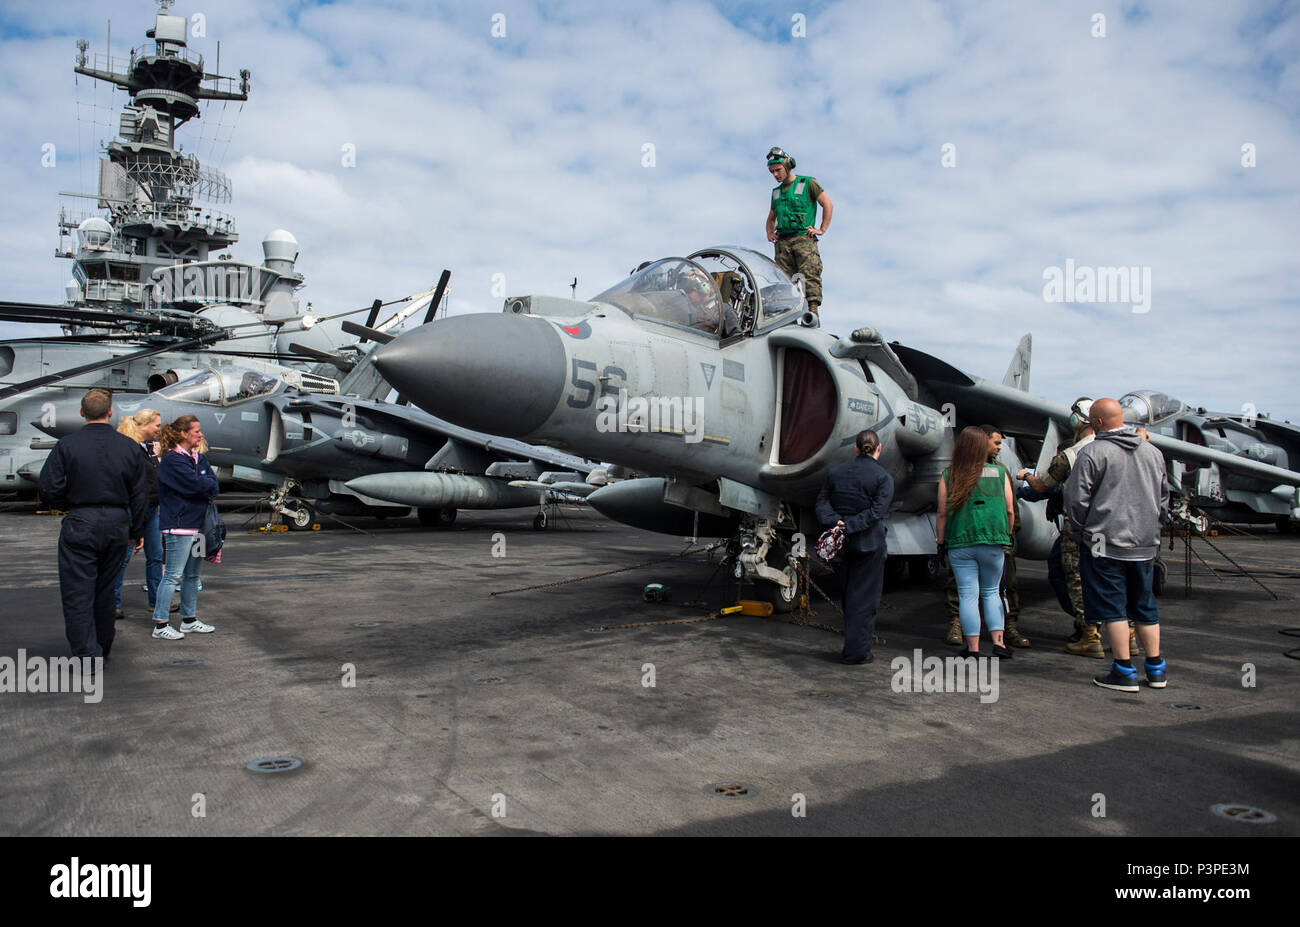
(1116,498)
(791,223)
(857,495)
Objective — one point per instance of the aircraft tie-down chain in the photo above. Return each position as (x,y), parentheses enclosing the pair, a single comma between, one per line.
(805,612)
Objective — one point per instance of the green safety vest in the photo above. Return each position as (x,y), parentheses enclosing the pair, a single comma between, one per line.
(982,519)
(794,206)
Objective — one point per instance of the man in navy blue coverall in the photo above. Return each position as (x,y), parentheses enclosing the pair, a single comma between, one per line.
(98,477)
(857,495)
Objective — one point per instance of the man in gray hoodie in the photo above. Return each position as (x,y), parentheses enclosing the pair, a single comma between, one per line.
(1116,498)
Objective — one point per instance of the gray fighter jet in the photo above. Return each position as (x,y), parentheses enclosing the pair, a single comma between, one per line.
(347,454)
(1226,496)
(709,371)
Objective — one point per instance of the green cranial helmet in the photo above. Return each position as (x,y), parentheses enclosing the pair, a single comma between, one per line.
(778,156)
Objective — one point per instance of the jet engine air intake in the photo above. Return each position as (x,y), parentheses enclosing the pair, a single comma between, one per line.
(808,405)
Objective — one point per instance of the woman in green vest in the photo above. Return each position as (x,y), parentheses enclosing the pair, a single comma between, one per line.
(975,513)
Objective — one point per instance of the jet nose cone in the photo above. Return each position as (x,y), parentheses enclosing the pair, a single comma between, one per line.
(501,374)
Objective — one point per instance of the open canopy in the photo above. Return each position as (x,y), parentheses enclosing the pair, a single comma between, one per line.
(720,291)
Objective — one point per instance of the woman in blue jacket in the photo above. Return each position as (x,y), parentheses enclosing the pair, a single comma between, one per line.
(186,484)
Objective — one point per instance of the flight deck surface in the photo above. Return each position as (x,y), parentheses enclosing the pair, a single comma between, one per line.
(474,714)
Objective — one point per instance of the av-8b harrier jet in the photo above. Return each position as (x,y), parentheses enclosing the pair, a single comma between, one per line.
(1227,496)
(347,454)
(709,371)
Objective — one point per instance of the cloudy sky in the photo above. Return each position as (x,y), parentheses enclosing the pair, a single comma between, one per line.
(968,148)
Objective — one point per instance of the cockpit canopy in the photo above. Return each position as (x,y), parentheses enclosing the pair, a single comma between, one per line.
(672,290)
(221,385)
(1145,407)
(718,291)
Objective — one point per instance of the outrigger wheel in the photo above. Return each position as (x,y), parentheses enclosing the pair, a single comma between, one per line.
(436,518)
(539,521)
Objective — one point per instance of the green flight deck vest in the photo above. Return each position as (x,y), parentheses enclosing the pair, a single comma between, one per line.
(794,206)
(982,519)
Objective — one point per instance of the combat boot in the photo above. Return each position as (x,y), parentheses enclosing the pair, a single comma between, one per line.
(1012,634)
(1089,643)
(954,632)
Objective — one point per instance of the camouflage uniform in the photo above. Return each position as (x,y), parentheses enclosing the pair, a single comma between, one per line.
(794,206)
(1058,471)
(798,254)
(1070,567)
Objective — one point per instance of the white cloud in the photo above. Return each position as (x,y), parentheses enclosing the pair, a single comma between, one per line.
(522,156)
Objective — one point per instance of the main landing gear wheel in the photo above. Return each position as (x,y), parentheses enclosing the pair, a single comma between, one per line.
(436,518)
(1159,576)
(783,598)
(927,571)
(539,521)
(299,518)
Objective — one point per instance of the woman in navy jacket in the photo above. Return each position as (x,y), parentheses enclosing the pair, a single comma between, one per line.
(186,484)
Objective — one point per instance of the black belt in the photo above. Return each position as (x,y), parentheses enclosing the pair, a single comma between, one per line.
(75,507)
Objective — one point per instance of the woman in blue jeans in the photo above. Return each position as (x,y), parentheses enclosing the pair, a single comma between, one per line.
(186,484)
(976,509)
(143,428)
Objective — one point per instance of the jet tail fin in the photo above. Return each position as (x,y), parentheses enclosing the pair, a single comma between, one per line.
(1017,375)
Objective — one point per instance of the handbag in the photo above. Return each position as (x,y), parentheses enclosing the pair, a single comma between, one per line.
(214,530)
(830,544)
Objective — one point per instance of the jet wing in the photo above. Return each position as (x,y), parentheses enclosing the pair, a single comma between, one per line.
(510,448)
(407,418)
(980,400)
(1195,453)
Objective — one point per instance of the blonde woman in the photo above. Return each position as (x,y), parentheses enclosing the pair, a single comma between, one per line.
(143,428)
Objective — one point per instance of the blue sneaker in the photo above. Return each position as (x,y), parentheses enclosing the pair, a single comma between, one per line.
(1120,678)
(1155,673)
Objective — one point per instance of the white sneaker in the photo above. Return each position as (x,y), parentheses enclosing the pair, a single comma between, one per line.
(168,633)
(196,627)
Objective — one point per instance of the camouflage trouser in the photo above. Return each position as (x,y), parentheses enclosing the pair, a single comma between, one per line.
(1070,566)
(1010,589)
(798,254)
